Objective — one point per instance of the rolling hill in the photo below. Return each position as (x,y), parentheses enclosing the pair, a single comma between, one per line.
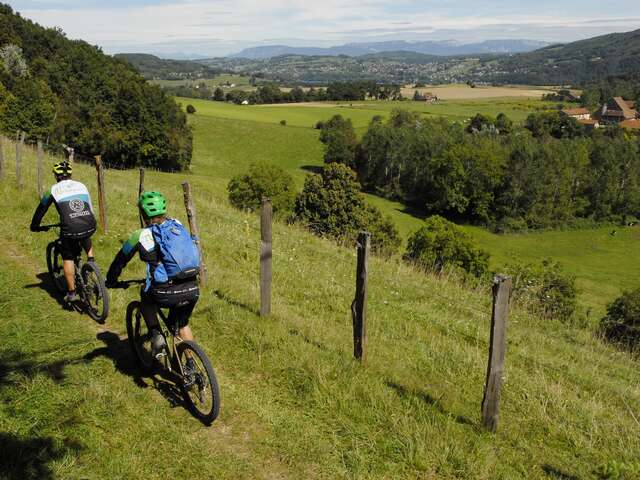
(579,62)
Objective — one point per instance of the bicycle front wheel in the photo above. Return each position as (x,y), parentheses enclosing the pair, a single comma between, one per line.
(55,266)
(200,385)
(139,338)
(94,292)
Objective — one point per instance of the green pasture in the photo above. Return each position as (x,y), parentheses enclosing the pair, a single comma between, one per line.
(229,137)
(360,113)
(294,403)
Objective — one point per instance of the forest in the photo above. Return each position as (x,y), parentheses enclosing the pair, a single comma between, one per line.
(67,91)
(550,172)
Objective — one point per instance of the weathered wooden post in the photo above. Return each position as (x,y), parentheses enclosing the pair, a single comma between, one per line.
(1,157)
(140,190)
(359,305)
(193,227)
(71,155)
(102,204)
(39,168)
(497,350)
(266,213)
(19,144)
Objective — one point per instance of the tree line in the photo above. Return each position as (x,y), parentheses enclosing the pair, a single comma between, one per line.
(547,173)
(64,91)
(271,93)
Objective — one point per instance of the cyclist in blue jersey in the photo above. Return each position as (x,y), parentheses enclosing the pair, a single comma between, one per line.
(77,221)
(178,293)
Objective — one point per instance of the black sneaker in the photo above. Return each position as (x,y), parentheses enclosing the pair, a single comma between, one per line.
(158,345)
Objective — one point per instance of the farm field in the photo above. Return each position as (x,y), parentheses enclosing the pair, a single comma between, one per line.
(463,91)
(294,404)
(228,138)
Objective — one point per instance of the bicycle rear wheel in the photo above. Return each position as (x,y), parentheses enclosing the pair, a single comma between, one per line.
(94,292)
(139,338)
(55,266)
(200,385)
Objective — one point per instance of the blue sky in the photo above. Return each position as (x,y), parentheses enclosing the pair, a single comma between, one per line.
(220,27)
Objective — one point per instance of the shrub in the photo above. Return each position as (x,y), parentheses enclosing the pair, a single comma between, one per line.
(283,122)
(331,205)
(622,322)
(246,191)
(319,125)
(544,289)
(440,243)
(191,109)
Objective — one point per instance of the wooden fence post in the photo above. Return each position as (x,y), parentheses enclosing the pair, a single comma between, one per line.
(497,350)
(1,157)
(71,155)
(140,190)
(193,227)
(102,205)
(359,305)
(266,254)
(19,144)
(39,167)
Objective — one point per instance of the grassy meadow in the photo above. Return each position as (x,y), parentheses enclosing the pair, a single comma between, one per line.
(294,403)
(230,137)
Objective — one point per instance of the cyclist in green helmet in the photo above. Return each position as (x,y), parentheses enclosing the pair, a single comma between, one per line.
(77,221)
(172,266)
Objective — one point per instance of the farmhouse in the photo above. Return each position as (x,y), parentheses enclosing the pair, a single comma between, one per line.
(616,111)
(577,113)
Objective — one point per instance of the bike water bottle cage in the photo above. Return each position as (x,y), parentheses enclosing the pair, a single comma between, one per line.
(152,204)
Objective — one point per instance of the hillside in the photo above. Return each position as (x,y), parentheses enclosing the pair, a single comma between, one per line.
(579,62)
(67,91)
(294,404)
(152,67)
(576,63)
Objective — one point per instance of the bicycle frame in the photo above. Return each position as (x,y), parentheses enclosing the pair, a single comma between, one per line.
(175,340)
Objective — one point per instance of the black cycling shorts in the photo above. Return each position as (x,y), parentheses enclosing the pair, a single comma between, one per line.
(71,248)
(180,299)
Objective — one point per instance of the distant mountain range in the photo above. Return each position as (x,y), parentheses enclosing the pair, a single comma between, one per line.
(442,48)
(577,63)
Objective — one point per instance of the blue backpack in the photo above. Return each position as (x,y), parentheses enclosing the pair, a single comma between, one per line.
(179,256)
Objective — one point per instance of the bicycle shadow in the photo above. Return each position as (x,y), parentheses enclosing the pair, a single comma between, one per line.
(119,352)
(48,286)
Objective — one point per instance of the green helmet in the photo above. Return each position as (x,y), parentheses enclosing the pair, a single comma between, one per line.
(152,204)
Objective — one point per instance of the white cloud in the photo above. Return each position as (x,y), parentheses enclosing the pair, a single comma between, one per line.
(222,26)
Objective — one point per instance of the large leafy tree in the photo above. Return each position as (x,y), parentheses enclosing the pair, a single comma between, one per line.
(70,92)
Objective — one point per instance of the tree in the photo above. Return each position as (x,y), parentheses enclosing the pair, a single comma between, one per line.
(440,243)
(331,205)
(340,141)
(191,109)
(218,95)
(246,190)
(621,324)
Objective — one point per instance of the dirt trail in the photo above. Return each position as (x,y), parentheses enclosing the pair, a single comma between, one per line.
(223,436)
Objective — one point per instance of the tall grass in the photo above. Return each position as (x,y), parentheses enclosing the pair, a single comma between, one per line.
(294,403)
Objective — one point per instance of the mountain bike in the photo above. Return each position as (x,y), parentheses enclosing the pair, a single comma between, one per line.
(196,379)
(94,299)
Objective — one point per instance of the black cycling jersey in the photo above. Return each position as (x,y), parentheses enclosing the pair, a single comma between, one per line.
(74,206)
